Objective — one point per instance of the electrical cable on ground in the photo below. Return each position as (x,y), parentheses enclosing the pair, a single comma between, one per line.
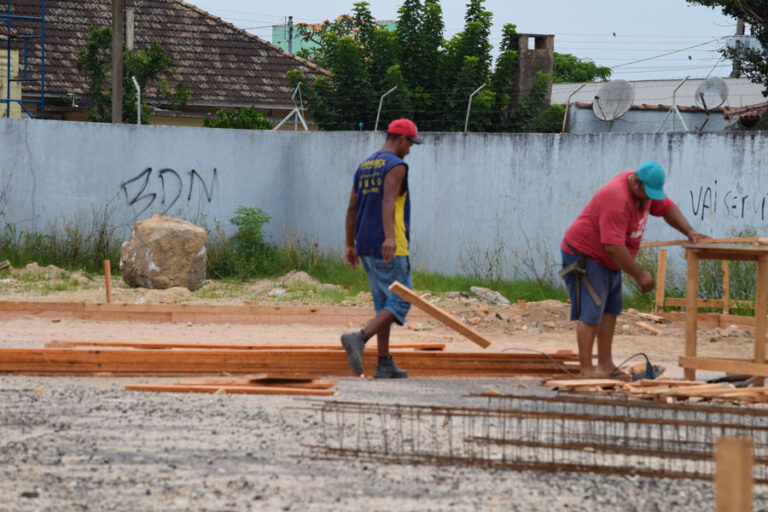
(563,368)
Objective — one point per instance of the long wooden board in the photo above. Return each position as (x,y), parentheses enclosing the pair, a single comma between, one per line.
(243,390)
(665,243)
(232,346)
(197,313)
(439,314)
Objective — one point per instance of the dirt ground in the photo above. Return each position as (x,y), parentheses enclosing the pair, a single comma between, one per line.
(87,444)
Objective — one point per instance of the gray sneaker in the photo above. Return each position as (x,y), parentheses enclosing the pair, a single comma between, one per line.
(387,369)
(353,343)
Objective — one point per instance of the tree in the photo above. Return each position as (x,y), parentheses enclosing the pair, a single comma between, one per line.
(753,62)
(152,68)
(434,77)
(569,68)
(247,118)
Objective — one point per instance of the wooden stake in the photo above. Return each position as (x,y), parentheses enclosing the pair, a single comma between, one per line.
(108,279)
(761,303)
(726,287)
(661,277)
(733,474)
(429,308)
(691,309)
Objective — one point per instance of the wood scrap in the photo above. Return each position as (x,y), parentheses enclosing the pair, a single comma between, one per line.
(666,390)
(648,327)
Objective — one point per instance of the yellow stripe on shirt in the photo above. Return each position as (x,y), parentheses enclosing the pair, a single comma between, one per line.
(401,240)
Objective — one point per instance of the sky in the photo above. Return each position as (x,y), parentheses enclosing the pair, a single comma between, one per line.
(613,33)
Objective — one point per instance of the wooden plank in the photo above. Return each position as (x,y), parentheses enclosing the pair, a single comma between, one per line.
(691,311)
(734,461)
(661,279)
(736,366)
(648,327)
(434,311)
(312,384)
(667,243)
(727,252)
(246,390)
(654,318)
(233,346)
(570,383)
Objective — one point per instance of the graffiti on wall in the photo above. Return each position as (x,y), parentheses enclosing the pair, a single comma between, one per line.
(708,200)
(166,189)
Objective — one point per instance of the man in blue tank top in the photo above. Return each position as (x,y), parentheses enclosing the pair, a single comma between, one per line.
(377,234)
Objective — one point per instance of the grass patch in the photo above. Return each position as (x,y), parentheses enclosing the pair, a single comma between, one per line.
(50,288)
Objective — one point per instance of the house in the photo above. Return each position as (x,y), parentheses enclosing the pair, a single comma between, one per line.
(651,109)
(287,36)
(224,66)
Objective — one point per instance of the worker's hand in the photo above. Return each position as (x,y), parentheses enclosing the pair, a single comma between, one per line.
(696,237)
(350,256)
(388,249)
(645,282)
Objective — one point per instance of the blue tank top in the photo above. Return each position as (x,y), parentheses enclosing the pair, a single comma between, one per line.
(369,187)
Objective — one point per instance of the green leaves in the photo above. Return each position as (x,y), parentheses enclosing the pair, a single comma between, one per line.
(245,118)
(434,77)
(569,68)
(151,67)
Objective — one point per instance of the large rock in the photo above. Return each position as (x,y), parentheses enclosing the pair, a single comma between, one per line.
(164,252)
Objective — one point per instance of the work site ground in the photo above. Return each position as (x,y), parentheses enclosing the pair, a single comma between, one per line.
(85,443)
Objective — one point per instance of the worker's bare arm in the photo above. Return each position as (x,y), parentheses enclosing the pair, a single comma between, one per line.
(393,183)
(621,257)
(350,254)
(677,220)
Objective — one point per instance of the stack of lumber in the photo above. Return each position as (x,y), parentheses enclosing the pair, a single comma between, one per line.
(315,363)
(260,384)
(664,389)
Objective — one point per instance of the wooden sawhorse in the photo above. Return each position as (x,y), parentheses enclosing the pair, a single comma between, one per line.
(696,252)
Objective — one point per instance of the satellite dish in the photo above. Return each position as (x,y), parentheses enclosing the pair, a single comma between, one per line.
(711,93)
(613,100)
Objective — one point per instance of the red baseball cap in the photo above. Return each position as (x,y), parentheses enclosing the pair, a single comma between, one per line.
(405,127)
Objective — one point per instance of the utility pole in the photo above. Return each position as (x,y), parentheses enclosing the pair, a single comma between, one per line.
(290,34)
(117,60)
(736,71)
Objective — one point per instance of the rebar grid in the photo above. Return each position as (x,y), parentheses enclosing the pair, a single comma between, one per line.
(542,433)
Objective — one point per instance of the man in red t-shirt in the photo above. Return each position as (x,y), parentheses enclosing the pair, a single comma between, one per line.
(604,240)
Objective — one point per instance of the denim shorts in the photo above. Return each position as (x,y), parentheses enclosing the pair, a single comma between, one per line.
(381,274)
(607,285)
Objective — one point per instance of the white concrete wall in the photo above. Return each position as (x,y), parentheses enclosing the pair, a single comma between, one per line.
(471,193)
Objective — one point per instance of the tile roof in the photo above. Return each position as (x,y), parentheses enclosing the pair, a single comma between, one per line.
(220,63)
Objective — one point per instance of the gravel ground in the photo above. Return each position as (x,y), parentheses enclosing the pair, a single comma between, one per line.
(86,444)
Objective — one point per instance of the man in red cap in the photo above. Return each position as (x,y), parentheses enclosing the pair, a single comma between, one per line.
(604,240)
(377,234)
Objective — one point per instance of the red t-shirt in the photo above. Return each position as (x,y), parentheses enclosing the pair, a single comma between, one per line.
(612,217)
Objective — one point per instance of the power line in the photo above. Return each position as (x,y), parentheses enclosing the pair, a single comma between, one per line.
(665,54)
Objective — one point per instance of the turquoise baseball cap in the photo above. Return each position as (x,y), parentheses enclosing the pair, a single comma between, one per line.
(651,174)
